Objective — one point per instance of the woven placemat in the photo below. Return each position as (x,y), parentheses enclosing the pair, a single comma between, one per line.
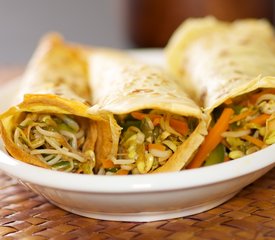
(27,216)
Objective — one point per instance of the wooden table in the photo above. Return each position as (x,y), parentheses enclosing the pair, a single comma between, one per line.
(27,216)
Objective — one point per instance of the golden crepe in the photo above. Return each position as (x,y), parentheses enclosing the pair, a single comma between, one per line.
(50,126)
(228,68)
(161,126)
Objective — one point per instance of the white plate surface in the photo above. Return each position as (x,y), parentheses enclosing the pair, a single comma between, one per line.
(138,197)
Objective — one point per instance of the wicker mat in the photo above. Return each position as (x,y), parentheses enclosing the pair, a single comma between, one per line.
(27,216)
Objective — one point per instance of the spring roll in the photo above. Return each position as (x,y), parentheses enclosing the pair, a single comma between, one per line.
(50,126)
(161,127)
(229,70)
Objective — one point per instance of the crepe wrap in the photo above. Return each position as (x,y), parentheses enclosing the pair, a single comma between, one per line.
(123,85)
(216,60)
(56,82)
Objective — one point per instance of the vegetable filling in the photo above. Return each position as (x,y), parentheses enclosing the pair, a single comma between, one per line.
(148,139)
(240,127)
(56,139)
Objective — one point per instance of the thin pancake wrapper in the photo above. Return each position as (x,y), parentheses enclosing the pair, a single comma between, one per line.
(50,126)
(229,65)
(161,126)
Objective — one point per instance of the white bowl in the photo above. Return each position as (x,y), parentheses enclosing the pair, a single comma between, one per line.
(138,197)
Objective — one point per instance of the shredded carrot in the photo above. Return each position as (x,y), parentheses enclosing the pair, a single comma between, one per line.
(254,140)
(154,116)
(157,146)
(107,163)
(212,139)
(261,119)
(240,116)
(228,101)
(122,172)
(179,125)
(138,115)
(156,121)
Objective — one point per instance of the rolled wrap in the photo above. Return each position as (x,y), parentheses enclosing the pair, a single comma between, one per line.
(227,65)
(136,94)
(218,60)
(54,98)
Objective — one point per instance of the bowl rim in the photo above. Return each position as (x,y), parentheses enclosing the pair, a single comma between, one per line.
(184,179)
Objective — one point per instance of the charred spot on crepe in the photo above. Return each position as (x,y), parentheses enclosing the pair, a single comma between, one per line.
(87,102)
(170,94)
(232,63)
(244,41)
(238,71)
(60,81)
(57,140)
(223,53)
(141,91)
(222,92)
(234,79)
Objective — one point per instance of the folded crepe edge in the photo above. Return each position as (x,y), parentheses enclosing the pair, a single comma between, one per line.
(39,103)
(6,128)
(185,151)
(140,97)
(254,84)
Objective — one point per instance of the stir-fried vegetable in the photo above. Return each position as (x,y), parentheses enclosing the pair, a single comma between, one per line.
(212,139)
(248,126)
(148,140)
(57,140)
(216,156)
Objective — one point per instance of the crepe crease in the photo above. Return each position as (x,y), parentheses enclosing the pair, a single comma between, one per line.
(123,85)
(55,82)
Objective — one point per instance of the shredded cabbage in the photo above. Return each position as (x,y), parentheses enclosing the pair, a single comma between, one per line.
(258,104)
(136,152)
(56,139)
